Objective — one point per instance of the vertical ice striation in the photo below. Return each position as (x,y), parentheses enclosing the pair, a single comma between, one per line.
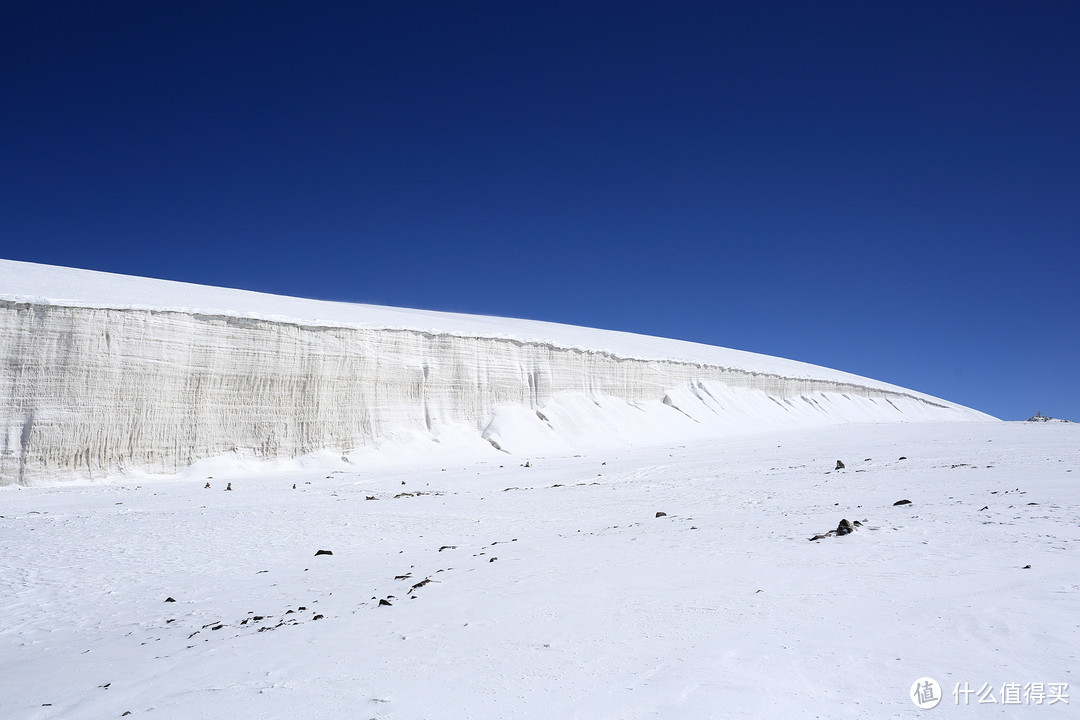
(92,391)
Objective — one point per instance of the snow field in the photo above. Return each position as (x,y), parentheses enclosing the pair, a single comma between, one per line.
(594,607)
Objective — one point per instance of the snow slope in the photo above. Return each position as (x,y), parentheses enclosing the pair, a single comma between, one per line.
(108,374)
(555,591)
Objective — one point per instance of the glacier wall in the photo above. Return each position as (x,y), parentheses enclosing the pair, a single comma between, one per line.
(89,392)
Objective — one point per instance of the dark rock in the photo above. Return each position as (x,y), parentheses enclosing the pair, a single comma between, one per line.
(323,552)
(839,465)
(493,559)
(229,486)
(1026,567)
(902,457)
(661,514)
(384,602)
(984,507)
(844,528)
(820,537)
(448,547)
(371,497)
(901,502)
(206,486)
(317,617)
(170,599)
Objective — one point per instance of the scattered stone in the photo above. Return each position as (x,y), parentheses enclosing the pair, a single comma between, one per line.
(448,547)
(527,464)
(371,497)
(984,507)
(820,537)
(384,602)
(126,713)
(229,487)
(661,514)
(493,559)
(323,552)
(217,627)
(903,457)
(844,528)
(1026,567)
(406,576)
(1033,503)
(317,617)
(294,486)
(901,502)
(839,465)
(170,599)
(206,486)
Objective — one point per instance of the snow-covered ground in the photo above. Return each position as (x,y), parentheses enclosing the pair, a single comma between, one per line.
(554,591)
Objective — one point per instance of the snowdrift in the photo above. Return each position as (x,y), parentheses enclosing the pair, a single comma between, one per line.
(105,374)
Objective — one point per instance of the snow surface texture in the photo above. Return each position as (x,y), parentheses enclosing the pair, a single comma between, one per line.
(106,374)
(593,608)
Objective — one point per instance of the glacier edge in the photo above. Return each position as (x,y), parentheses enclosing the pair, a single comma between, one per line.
(94,391)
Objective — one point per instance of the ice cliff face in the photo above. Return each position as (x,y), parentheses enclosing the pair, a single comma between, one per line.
(91,390)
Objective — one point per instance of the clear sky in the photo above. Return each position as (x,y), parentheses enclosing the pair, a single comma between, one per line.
(890,189)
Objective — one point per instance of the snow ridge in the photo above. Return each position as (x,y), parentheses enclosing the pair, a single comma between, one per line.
(96,390)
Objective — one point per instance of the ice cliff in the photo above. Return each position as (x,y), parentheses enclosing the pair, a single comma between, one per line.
(104,374)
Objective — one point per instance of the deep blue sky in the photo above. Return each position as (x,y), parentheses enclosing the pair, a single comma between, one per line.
(891,189)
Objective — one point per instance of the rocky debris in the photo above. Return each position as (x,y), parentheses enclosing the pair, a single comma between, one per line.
(170,599)
(903,457)
(370,497)
(448,547)
(839,465)
(845,527)
(384,602)
(902,502)
(206,486)
(323,552)
(661,514)
(1039,417)
(493,559)
(229,486)
(1026,567)
(317,617)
